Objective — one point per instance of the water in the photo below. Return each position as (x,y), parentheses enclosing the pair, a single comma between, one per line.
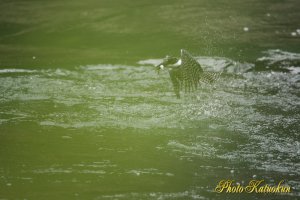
(78,121)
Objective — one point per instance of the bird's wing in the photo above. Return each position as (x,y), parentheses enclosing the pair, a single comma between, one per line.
(175,78)
(209,77)
(191,72)
(188,75)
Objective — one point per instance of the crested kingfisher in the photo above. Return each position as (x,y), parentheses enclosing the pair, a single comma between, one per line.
(186,73)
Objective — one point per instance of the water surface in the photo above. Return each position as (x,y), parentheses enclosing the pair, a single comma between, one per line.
(84,115)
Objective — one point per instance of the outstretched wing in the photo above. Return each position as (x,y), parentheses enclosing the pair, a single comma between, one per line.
(188,75)
(175,76)
(191,72)
(209,77)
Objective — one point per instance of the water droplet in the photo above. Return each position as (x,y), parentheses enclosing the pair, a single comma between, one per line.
(246,29)
(66,137)
(169,174)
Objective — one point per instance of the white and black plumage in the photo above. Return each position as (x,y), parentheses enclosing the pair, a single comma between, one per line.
(186,73)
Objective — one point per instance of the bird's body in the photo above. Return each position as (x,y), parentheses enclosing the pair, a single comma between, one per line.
(186,73)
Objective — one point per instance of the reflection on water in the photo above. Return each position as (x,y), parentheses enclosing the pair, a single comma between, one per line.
(118,132)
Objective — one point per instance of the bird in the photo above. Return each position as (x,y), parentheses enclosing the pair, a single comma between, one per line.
(186,73)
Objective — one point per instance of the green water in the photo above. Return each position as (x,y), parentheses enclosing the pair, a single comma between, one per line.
(84,115)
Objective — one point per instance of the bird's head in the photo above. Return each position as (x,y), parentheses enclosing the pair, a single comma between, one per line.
(168,62)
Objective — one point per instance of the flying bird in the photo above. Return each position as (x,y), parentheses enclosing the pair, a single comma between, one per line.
(186,73)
